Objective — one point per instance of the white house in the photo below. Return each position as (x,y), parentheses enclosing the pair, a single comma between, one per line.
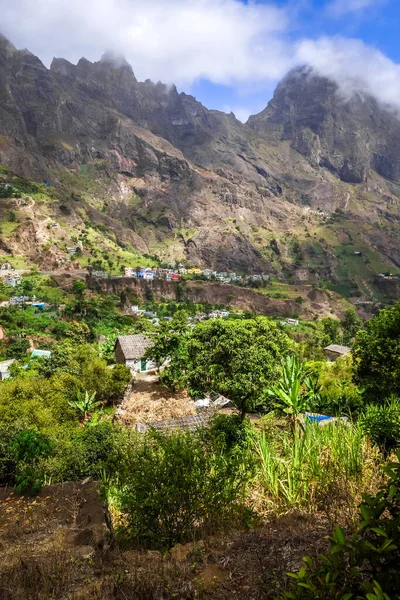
(129,350)
(5,368)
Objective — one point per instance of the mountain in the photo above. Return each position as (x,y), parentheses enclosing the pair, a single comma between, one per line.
(137,169)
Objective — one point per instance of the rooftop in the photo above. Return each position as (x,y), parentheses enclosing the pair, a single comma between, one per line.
(134,346)
(190,423)
(5,364)
(338,349)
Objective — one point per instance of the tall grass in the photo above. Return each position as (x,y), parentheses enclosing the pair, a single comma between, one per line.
(294,467)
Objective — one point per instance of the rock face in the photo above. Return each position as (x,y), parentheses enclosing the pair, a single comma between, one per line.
(172,178)
(347,135)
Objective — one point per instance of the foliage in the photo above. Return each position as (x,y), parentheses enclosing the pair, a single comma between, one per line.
(338,394)
(238,359)
(81,451)
(376,355)
(382,424)
(295,390)
(296,469)
(167,342)
(84,404)
(331,331)
(28,447)
(228,432)
(17,349)
(351,323)
(365,566)
(171,488)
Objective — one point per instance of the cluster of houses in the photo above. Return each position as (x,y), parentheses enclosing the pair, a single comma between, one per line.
(9,275)
(153,273)
(388,276)
(175,274)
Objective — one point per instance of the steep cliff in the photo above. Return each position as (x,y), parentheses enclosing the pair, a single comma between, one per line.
(297,191)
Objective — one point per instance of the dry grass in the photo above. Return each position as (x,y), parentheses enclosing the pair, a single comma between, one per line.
(55,547)
(150,401)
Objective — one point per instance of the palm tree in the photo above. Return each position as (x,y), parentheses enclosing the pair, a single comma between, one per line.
(84,404)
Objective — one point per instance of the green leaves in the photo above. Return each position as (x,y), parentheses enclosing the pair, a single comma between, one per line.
(85,404)
(295,390)
(365,566)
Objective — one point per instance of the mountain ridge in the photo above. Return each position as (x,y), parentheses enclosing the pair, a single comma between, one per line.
(181,182)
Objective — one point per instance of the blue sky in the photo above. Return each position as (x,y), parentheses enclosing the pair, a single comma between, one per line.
(377,24)
(230,54)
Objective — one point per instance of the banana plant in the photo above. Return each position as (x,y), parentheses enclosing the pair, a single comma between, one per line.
(293,392)
(85,404)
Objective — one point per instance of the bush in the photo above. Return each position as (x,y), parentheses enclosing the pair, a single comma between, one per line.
(28,447)
(80,452)
(382,424)
(230,431)
(366,566)
(171,488)
(17,349)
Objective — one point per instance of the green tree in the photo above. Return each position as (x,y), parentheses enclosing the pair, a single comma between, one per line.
(331,331)
(78,288)
(376,353)
(238,359)
(149,294)
(351,323)
(17,349)
(168,344)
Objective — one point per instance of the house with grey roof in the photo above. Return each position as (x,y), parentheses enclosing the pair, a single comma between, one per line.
(129,350)
(334,351)
(5,368)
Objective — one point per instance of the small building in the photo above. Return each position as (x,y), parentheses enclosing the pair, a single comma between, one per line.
(6,267)
(334,351)
(13,281)
(292,322)
(40,353)
(5,368)
(129,350)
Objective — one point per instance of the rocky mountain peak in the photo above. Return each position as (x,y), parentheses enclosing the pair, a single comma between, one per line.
(347,133)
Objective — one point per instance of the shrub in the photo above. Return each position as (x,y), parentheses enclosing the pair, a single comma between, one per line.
(29,447)
(80,452)
(17,349)
(228,432)
(382,424)
(170,489)
(366,566)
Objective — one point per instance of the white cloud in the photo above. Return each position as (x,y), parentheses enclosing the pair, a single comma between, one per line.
(176,40)
(244,45)
(354,66)
(340,8)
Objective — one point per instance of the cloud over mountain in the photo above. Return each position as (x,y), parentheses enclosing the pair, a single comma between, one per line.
(223,41)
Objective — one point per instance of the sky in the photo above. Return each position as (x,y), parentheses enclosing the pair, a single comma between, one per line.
(229,54)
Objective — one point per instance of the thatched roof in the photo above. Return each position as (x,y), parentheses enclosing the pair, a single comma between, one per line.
(337,349)
(134,346)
